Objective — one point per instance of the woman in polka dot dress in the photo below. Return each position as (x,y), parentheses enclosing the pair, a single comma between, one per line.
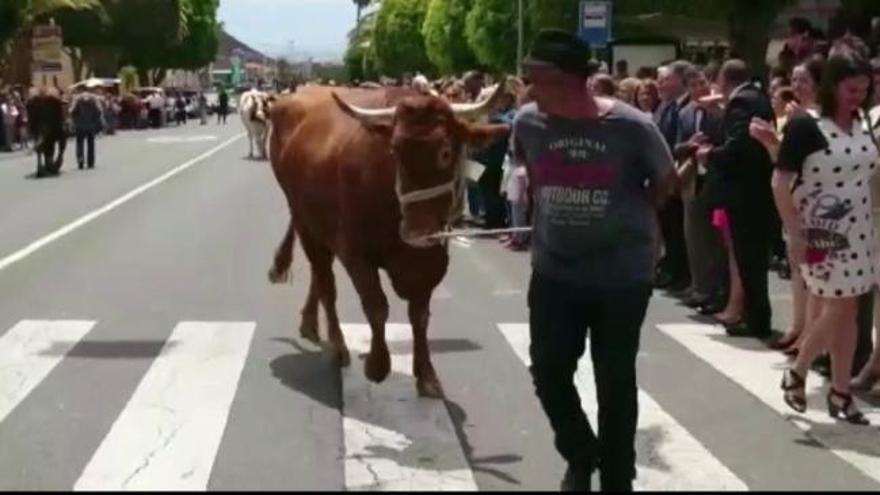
(830,161)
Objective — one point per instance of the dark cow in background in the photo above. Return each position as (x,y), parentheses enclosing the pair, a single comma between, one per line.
(369,186)
(46,116)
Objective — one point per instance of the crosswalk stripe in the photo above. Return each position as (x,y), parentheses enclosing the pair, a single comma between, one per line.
(687,464)
(759,371)
(167,436)
(28,353)
(395,440)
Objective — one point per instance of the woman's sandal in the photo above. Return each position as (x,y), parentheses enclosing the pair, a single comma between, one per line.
(794,388)
(847,410)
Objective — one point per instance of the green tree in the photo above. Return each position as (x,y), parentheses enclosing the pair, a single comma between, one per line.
(397,39)
(190,42)
(88,34)
(561,14)
(359,60)
(491,32)
(360,5)
(444,33)
(128,77)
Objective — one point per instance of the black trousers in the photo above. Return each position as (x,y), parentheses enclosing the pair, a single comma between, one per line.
(675,260)
(86,139)
(560,317)
(493,204)
(751,229)
(155,116)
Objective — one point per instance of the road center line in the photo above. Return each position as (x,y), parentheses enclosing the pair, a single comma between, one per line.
(88,217)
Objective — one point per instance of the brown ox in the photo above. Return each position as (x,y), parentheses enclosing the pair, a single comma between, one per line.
(46,114)
(368,187)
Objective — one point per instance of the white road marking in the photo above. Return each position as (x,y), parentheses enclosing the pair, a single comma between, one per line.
(668,457)
(25,360)
(167,436)
(395,440)
(168,139)
(759,371)
(88,217)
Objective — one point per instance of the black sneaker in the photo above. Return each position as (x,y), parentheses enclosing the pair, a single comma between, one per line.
(743,330)
(576,480)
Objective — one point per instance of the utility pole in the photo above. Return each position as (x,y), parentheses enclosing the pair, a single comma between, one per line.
(520,40)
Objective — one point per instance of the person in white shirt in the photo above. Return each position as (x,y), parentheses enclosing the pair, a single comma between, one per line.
(156,105)
(10,117)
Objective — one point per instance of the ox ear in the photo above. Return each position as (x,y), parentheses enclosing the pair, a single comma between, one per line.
(379,121)
(480,136)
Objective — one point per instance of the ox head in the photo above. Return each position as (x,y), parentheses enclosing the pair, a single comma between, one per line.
(428,140)
(260,107)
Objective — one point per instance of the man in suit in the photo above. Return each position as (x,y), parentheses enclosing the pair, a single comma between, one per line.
(705,250)
(674,272)
(745,169)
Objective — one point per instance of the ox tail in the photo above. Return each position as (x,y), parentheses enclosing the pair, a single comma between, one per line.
(280,271)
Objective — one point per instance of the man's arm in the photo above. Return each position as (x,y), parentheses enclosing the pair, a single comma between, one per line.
(738,143)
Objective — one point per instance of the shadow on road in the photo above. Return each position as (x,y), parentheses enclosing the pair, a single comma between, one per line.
(111,349)
(305,371)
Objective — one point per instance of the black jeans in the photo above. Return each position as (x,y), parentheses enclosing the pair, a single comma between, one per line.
(560,317)
(87,139)
(675,260)
(751,229)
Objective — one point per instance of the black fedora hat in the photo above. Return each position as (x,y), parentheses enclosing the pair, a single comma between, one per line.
(562,50)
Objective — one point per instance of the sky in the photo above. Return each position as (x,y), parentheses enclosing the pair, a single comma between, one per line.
(297,28)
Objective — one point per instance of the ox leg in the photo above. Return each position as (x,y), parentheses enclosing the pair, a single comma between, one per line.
(427,383)
(280,270)
(250,145)
(324,273)
(323,289)
(308,327)
(366,281)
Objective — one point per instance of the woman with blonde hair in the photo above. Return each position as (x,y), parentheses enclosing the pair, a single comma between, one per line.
(648,96)
(627,89)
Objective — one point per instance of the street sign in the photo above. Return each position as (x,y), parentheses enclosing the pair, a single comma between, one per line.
(595,23)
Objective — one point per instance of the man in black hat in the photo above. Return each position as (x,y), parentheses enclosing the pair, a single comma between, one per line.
(598,171)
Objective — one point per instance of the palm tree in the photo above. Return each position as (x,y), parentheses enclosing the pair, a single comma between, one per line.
(361,5)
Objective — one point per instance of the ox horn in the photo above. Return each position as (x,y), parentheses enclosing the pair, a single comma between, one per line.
(479,109)
(368,116)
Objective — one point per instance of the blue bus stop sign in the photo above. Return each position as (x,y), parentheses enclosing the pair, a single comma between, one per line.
(595,23)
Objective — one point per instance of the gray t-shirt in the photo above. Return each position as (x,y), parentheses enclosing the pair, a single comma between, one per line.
(593,217)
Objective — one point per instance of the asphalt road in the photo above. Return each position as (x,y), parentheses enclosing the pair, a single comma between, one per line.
(141,346)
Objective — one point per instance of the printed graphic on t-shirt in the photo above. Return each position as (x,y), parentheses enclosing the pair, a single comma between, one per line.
(574,181)
(827,230)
